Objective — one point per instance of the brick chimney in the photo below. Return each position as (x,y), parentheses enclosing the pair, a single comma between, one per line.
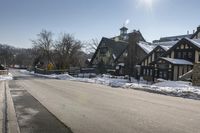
(132,57)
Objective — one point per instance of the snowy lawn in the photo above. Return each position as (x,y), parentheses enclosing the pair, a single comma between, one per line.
(174,88)
(6,77)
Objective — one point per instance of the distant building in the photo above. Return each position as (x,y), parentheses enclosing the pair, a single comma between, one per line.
(172,58)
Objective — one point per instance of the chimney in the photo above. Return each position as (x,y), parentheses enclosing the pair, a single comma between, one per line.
(193,31)
(188,32)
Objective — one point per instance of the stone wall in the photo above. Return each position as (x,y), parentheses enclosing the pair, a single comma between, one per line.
(196,75)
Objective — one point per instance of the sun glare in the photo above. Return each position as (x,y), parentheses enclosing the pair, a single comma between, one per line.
(148,4)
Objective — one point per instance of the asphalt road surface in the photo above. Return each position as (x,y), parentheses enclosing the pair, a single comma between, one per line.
(92,108)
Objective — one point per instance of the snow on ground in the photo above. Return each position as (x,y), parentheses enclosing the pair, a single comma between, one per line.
(104,79)
(53,76)
(6,77)
(174,88)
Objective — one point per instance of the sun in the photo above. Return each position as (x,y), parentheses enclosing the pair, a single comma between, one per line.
(148,4)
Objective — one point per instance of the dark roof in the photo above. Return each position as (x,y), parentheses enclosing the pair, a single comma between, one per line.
(117,47)
(123,28)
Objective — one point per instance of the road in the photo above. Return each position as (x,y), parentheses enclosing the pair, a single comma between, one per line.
(92,108)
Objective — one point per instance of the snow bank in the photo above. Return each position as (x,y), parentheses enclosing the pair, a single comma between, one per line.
(174,88)
(53,76)
(6,77)
(104,80)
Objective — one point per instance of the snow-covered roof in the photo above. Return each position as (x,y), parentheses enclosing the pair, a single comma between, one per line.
(147,47)
(194,41)
(166,45)
(177,61)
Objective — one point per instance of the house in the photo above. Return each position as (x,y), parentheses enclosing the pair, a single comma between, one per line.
(120,54)
(172,59)
(107,54)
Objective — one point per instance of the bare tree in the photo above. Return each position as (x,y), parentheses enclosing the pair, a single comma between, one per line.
(67,51)
(6,54)
(44,44)
(91,46)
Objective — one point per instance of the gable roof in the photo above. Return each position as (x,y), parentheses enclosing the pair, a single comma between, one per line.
(196,42)
(147,47)
(156,48)
(166,45)
(193,42)
(117,47)
(162,45)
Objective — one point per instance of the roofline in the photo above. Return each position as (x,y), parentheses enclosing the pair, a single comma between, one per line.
(176,36)
(151,53)
(175,45)
(94,55)
(169,61)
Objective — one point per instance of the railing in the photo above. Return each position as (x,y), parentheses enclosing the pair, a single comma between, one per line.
(48,72)
(74,71)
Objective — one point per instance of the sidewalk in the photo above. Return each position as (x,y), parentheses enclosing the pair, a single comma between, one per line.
(8,120)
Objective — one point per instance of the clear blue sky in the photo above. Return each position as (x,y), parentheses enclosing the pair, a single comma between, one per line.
(21,20)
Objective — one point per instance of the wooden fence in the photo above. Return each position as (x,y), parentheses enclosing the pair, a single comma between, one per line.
(3,72)
(74,71)
(48,72)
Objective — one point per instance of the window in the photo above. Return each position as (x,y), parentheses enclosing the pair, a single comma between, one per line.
(144,71)
(190,55)
(158,54)
(151,73)
(179,55)
(185,55)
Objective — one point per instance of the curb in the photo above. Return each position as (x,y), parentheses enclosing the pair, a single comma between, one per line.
(3,113)
(12,123)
